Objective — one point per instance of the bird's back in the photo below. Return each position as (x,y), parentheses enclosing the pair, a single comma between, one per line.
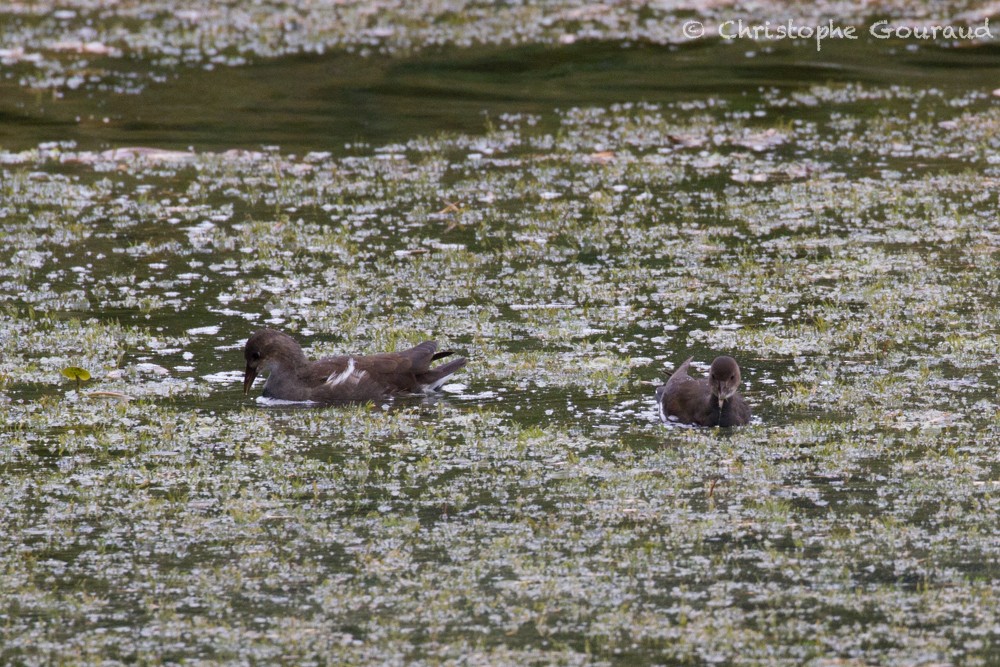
(371,377)
(687,400)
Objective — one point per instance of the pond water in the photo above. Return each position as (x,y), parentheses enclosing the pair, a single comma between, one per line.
(576,220)
(310,103)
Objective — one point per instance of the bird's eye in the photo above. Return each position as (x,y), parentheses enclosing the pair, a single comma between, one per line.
(732,377)
(255,355)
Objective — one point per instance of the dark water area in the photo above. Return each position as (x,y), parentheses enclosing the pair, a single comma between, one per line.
(323,103)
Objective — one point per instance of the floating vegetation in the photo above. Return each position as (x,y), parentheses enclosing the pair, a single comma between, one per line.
(77,45)
(76,374)
(537,511)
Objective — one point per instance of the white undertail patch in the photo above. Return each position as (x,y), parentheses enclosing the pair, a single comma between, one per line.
(434,386)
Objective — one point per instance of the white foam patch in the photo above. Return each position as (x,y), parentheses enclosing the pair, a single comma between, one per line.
(541,306)
(478,397)
(673,422)
(273,402)
(148,367)
(224,377)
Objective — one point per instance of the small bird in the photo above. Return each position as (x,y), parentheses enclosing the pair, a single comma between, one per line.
(345,378)
(711,402)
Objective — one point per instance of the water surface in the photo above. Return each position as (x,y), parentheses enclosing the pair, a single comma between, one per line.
(576,220)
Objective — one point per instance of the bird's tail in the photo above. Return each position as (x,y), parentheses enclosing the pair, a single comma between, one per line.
(435,377)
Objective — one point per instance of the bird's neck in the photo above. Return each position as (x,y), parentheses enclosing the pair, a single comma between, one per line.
(290,358)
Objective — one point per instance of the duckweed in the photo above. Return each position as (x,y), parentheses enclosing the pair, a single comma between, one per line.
(842,244)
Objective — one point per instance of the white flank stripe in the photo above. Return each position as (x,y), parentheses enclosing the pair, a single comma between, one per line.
(341,377)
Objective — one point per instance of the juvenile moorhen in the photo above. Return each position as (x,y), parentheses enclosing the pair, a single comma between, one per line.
(705,402)
(345,378)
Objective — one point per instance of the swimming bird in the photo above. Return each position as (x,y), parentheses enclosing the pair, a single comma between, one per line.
(344,378)
(714,401)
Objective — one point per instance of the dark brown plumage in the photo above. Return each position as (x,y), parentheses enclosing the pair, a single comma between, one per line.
(712,401)
(345,378)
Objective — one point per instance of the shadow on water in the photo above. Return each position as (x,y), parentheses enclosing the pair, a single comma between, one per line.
(324,102)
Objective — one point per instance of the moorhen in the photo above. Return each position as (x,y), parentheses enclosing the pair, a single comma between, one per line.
(345,378)
(704,402)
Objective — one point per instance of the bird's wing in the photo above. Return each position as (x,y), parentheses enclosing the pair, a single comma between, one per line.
(681,374)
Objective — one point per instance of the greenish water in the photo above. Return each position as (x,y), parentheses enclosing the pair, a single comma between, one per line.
(830,219)
(310,103)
